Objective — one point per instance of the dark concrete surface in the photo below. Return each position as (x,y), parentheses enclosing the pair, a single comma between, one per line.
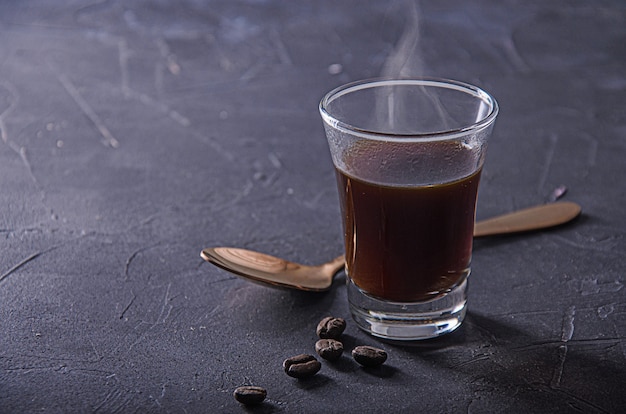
(135,133)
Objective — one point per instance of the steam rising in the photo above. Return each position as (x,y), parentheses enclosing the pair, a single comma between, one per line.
(405,60)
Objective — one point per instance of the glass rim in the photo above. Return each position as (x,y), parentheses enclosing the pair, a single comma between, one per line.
(390,136)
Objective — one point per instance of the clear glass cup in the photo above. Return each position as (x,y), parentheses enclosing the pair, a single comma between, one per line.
(408,154)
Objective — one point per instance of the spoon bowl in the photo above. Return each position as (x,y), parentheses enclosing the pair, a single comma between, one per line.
(273,271)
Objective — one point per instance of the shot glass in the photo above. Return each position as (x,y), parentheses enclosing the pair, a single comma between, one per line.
(408,155)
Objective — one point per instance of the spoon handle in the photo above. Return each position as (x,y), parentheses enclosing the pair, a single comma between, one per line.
(533,218)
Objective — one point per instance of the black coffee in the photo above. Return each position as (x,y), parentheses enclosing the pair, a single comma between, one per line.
(407,243)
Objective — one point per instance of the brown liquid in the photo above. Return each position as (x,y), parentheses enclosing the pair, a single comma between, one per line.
(407,243)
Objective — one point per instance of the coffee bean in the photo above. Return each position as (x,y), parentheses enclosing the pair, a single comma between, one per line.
(301,366)
(250,395)
(329,349)
(368,356)
(331,328)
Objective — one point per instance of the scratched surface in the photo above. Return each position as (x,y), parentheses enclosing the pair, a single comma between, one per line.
(135,133)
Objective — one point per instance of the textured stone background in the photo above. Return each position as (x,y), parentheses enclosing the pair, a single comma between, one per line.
(135,133)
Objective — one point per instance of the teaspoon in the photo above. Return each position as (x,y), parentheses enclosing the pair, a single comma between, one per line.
(273,271)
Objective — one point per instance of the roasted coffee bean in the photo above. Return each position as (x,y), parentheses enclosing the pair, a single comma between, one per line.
(368,356)
(301,366)
(330,349)
(331,328)
(250,395)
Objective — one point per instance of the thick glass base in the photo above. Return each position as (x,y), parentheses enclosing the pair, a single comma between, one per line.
(408,321)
